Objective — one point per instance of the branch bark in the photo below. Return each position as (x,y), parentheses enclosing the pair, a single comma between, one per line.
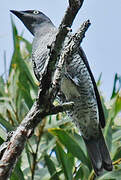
(71,47)
(64,28)
(42,108)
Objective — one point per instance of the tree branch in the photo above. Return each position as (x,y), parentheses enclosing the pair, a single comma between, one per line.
(64,28)
(71,47)
(16,144)
(63,107)
(42,106)
(35,154)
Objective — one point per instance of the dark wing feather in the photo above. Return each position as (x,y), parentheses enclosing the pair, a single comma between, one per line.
(100,108)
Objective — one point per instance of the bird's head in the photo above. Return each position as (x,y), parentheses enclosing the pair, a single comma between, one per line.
(32,19)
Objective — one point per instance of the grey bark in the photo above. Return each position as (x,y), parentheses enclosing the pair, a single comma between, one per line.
(39,110)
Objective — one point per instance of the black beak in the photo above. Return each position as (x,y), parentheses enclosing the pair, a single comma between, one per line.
(19,14)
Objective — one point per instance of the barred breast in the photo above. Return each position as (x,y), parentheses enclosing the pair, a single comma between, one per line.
(77,86)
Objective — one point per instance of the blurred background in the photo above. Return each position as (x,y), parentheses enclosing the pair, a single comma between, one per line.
(102,41)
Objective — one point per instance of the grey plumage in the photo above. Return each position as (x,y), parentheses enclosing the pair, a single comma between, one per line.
(40,50)
(78,85)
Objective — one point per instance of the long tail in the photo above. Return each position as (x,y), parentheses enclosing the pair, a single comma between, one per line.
(99,154)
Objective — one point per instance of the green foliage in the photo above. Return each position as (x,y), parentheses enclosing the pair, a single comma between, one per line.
(56,150)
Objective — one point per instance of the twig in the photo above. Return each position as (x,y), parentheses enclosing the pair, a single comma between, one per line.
(92,175)
(37,147)
(117,162)
(74,43)
(63,107)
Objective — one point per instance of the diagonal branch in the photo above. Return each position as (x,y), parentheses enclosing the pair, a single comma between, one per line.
(64,28)
(42,108)
(71,47)
(16,144)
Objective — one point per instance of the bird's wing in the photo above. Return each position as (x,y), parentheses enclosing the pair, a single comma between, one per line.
(100,108)
(40,62)
(40,52)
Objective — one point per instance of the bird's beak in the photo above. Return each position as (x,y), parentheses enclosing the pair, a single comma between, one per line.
(19,14)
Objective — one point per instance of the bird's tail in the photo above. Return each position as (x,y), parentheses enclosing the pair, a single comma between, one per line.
(99,154)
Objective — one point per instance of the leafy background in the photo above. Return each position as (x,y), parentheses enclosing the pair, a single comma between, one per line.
(56,150)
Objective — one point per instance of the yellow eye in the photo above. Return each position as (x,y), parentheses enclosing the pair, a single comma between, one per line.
(36,12)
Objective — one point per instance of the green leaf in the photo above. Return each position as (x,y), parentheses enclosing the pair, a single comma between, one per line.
(24,68)
(65,161)
(115,108)
(15,32)
(116,136)
(115,89)
(5,123)
(116,151)
(105,110)
(7,110)
(81,143)
(5,66)
(99,80)
(28,44)
(3,133)
(114,175)
(25,93)
(16,54)
(118,104)
(13,85)
(108,137)
(2,86)
(42,174)
(51,167)
(17,173)
(1,140)
(82,173)
(70,143)
(29,156)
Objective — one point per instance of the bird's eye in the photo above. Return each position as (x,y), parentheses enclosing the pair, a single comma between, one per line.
(36,12)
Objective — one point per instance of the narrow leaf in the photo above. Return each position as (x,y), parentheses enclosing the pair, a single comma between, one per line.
(65,162)
(114,175)
(70,143)
(51,167)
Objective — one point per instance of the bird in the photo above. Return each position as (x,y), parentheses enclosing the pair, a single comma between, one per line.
(78,85)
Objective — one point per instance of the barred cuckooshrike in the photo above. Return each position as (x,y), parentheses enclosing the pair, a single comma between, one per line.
(77,84)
